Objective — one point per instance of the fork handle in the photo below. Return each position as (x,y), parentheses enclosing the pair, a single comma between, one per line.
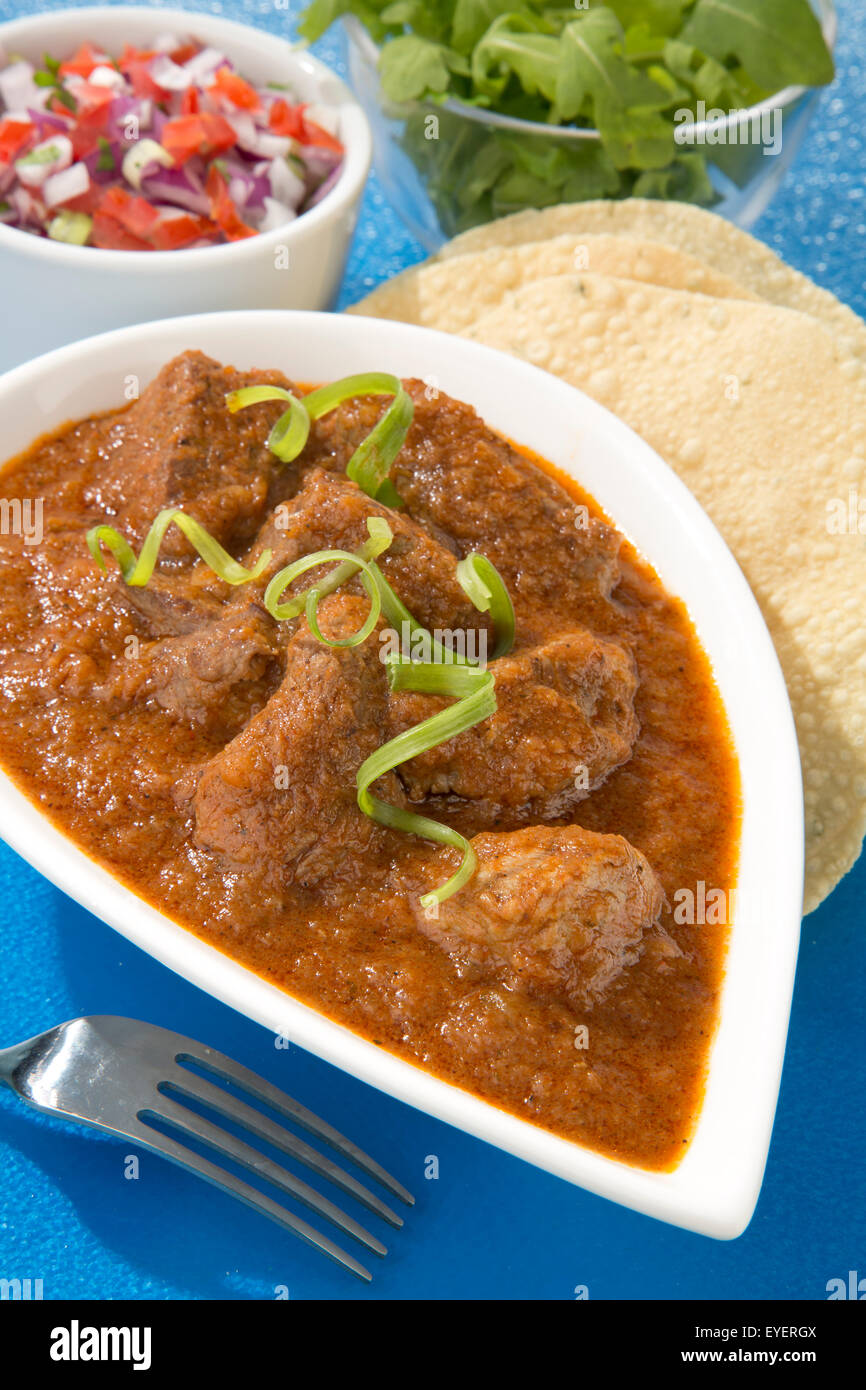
(10,1060)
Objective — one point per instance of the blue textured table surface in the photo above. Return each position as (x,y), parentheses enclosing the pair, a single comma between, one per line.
(489,1226)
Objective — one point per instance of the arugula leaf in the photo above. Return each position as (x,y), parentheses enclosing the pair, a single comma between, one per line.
(490,161)
(592,174)
(678,94)
(709,80)
(635,139)
(579,164)
(421,16)
(642,44)
(411,66)
(591,65)
(512,44)
(778,42)
(662,16)
(684,180)
(321,14)
(472,19)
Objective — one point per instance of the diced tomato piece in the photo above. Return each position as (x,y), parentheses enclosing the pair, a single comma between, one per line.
(110,235)
(222,208)
(86,202)
(90,97)
(284,119)
(184,53)
(135,55)
(204,134)
(135,215)
(85,140)
(239,92)
(135,64)
(171,233)
(317,135)
(91,122)
(189,102)
(14,136)
(82,63)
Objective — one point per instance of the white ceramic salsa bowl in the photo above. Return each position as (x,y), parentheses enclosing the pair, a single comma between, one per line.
(715,1187)
(54,293)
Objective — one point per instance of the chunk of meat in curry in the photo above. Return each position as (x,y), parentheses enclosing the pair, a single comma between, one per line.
(208,755)
(564,721)
(558,911)
(282,794)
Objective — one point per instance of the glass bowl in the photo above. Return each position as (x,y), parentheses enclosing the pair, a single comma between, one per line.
(438,162)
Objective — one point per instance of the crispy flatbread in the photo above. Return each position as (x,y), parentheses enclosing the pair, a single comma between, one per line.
(712,239)
(762,412)
(452,294)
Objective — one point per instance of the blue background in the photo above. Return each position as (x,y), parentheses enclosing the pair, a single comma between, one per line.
(490,1226)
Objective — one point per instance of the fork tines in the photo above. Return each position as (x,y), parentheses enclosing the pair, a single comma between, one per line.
(180,1084)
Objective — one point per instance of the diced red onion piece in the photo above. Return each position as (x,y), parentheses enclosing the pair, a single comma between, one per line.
(166,43)
(168,75)
(130,117)
(34,172)
(319,160)
(286,186)
(104,76)
(69,183)
(256,141)
(204,64)
(327,117)
(175,187)
(324,188)
(145,154)
(276,215)
(94,159)
(17,87)
(44,120)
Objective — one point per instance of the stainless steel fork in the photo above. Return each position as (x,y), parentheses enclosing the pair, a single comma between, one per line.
(120,1075)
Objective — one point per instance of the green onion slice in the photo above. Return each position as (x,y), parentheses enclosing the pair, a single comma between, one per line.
(371,462)
(291,431)
(432,678)
(481,581)
(138,571)
(477,702)
(366,627)
(409,821)
(381,537)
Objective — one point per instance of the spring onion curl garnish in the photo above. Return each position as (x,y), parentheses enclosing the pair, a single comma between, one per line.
(381,537)
(371,462)
(138,571)
(312,596)
(290,433)
(481,581)
(474,688)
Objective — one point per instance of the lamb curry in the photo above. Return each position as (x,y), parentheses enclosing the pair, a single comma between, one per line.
(211,754)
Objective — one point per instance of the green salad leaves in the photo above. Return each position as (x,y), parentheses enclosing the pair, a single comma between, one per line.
(624,68)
